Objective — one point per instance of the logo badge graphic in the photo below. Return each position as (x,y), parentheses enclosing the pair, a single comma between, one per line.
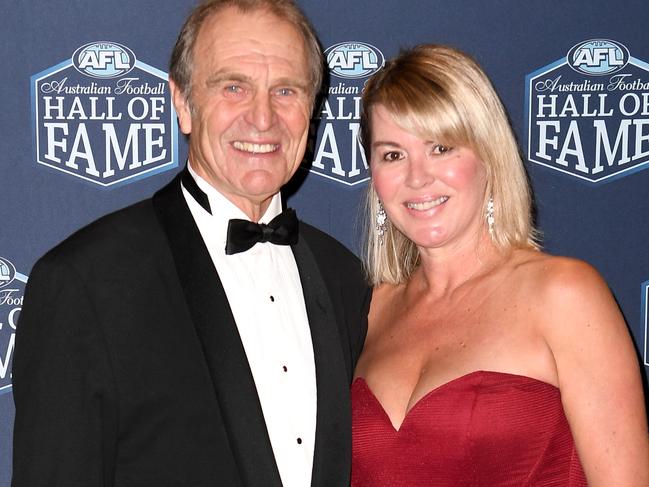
(103,60)
(12,290)
(104,116)
(353,60)
(338,154)
(588,113)
(598,57)
(7,272)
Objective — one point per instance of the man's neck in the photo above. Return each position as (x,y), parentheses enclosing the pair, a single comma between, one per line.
(253,210)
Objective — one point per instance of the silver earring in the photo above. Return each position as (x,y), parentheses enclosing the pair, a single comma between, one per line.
(381,222)
(490,215)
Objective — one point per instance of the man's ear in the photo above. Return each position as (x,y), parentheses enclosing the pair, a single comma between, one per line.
(181,104)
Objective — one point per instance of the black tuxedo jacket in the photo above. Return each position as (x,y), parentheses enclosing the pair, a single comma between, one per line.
(129,370)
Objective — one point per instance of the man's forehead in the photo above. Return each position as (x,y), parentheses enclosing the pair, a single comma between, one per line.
(235,41)
(248,65)
(230,23)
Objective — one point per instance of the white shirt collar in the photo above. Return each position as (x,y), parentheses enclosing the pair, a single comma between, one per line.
(223,210)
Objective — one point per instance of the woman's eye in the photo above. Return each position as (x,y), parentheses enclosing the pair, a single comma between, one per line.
(440,149)
(391,156)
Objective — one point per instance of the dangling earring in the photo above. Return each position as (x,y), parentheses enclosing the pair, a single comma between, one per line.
(490,215)
(381,222)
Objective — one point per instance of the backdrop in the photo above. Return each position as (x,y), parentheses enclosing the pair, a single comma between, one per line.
(87,126)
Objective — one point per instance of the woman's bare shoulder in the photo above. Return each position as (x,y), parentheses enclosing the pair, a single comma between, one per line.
(555,277)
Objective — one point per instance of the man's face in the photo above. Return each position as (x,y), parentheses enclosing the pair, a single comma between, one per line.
(249,107)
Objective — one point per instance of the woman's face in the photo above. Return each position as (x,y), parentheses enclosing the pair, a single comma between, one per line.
(433,193)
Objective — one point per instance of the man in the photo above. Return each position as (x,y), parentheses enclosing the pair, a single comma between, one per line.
(154,351)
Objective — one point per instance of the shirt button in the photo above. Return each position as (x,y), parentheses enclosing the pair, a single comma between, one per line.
(299,441)
(284,368)
(272,299)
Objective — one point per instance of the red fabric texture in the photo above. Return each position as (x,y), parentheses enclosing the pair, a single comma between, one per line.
(488,429)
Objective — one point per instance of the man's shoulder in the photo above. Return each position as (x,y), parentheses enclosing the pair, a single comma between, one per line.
(323,245)
(123,234)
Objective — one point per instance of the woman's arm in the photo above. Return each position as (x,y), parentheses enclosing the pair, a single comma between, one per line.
(598,374)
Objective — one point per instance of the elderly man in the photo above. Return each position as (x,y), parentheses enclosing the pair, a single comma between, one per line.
(196,339)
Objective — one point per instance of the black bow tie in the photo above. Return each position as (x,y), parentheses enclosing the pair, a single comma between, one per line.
(243,234)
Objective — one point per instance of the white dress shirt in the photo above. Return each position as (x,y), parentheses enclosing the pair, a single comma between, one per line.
(263,288)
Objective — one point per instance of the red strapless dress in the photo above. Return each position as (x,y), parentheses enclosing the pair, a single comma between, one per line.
(486,429)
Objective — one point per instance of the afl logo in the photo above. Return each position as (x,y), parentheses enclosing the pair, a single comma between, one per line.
(598,57)
(353,59)
(7,272)
(102,59)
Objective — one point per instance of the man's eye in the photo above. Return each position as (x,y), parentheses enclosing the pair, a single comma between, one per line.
(233,89)
(285,92)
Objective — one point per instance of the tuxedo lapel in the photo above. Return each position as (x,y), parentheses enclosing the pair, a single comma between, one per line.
(333,421)
(234,386)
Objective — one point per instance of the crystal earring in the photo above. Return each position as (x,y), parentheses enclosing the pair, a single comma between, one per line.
(490,215)
(381,222)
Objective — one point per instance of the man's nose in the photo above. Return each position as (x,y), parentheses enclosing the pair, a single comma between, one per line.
(261,114)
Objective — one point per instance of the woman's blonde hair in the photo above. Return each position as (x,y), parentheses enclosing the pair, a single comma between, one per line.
(441,94)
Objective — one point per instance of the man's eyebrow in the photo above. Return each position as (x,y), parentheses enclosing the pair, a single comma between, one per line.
(292,82)
(222,76)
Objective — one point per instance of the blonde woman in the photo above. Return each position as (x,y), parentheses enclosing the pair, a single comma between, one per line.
(487,361)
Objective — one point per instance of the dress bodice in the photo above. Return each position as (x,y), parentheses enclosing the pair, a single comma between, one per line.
(487,429)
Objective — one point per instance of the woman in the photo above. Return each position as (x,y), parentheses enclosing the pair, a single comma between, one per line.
(487,362)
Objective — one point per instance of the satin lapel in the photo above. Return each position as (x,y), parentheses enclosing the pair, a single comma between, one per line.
(208,305)
(331,461)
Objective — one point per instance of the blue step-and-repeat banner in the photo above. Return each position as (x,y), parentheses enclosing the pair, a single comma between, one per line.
(78,139)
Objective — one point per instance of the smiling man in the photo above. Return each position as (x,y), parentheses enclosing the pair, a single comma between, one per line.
(198,338)
(247,107)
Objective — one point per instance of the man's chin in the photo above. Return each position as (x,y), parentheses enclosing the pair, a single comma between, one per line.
(265,180)
(260,186)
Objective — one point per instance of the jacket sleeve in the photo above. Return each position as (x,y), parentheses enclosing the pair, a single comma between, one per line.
(358,338)
(66,423)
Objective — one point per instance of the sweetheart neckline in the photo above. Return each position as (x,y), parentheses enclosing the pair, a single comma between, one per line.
(444,386)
